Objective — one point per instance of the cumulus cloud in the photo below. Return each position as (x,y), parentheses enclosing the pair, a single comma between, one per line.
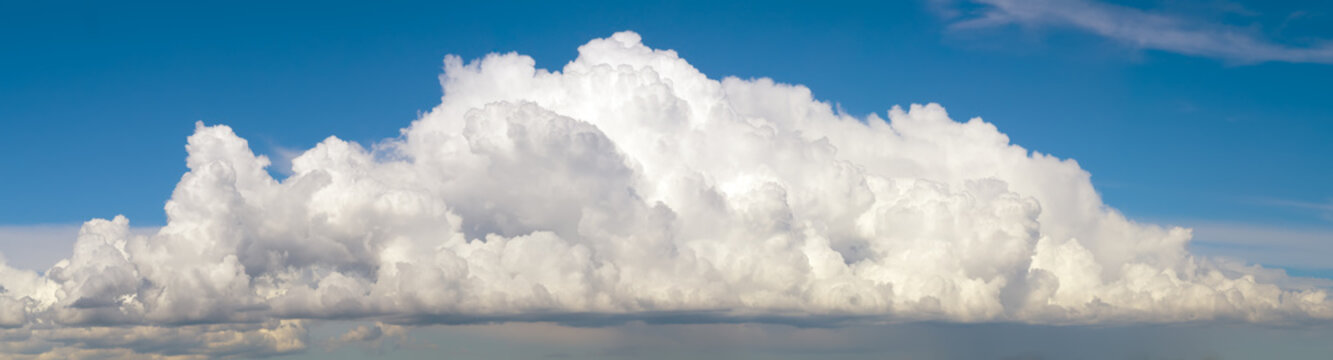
(155,342)
(627,186)
(37,247)
(379,337)
(1141,29)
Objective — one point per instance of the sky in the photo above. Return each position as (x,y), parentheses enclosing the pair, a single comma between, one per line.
(1207,115)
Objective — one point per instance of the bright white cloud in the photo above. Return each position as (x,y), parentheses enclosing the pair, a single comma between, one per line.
(628,186)
(1143,29)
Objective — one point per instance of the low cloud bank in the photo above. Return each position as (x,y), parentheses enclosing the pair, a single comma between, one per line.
(628,186)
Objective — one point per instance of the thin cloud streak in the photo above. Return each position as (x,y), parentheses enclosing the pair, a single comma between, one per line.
(1274,246)
(1324,209)
(1144,30)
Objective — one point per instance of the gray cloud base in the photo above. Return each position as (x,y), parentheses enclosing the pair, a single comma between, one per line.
(628,186)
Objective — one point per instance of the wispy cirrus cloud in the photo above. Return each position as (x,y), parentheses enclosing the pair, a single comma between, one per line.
(1138,28)
(1324,209)
(1285,247)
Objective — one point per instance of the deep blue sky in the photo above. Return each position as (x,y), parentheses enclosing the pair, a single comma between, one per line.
(96,99)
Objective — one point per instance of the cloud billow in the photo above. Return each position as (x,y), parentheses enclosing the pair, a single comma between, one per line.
(628,186)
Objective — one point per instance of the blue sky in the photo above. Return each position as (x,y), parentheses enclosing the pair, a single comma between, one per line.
(1212,114)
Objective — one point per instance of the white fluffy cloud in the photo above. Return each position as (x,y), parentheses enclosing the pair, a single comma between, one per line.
(627,186)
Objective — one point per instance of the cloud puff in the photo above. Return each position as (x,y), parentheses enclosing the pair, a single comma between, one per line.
(628,186)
